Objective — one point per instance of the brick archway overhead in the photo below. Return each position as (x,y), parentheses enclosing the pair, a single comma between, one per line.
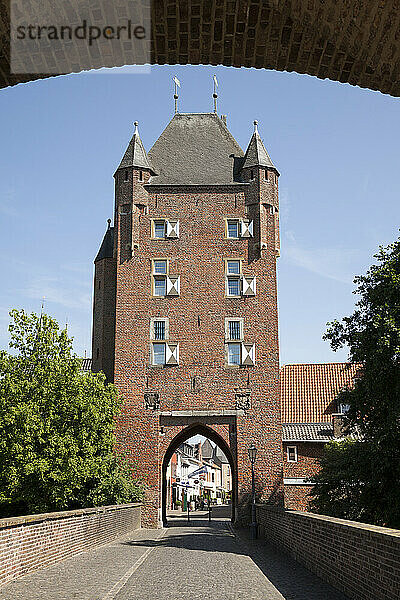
(351,41)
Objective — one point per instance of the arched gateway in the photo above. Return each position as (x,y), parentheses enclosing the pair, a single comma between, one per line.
(198,428)
(185,302)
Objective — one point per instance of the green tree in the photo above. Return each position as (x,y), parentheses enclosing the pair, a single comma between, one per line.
(56,426)
(360,479)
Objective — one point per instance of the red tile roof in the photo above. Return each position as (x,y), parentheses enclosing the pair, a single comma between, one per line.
(308,391)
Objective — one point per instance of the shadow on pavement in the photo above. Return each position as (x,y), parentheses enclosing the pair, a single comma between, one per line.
(292,580)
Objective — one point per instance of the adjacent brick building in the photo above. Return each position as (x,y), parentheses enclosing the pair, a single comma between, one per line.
(185,303)
(311,417)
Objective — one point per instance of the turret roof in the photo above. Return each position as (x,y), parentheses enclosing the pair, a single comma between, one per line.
(256,154)
(107,245)
(135,154)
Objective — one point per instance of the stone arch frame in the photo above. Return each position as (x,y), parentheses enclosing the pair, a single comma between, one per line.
(351,42)
(185,434)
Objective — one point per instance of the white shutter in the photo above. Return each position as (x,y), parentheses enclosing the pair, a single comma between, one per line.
(248,286)
(248,354)
(172,354)
(246,228)
(173,286)
(172,229)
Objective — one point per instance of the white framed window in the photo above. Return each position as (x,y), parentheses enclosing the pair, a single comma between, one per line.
(160,266)
(162,351)
(162,229)
(234,353)
(233,286)
(233,269)
(292,453)
(232,228)
(160,286)
(159,328)
(159,229)
(162,283)
(233,329)
(344,408)
(239,228)
(158,351)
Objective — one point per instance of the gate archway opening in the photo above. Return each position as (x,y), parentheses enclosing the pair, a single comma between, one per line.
(198,429)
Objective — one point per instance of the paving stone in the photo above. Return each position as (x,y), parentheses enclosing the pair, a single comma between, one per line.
(193,561)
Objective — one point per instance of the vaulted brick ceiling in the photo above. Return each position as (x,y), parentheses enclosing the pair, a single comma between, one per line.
(353,41)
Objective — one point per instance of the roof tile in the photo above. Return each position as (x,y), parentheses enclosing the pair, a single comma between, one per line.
(308,391)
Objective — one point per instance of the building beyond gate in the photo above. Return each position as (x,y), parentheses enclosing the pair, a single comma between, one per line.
(185,304)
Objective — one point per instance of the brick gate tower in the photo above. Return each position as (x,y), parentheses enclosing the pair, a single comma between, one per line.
(185,304)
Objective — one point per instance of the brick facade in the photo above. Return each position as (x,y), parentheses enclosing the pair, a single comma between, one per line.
(311,417)
(363,561)
(202,393)
(36,541)
(306,466)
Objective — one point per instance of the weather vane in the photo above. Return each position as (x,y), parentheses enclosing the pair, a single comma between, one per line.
(215,95)
(177,84)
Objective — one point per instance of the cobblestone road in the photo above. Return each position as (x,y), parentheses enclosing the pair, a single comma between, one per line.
(181,562)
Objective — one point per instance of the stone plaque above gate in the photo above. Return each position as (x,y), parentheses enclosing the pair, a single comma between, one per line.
(242,398)
(152,400)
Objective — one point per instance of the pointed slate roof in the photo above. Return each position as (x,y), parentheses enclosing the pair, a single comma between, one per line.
(135,154)
(256,154)
(107,245)
(196,149)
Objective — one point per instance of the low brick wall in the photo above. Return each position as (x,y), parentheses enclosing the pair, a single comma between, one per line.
(31,542)
(363,561)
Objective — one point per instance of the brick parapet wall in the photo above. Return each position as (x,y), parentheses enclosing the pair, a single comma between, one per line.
(361,560)
(32,542)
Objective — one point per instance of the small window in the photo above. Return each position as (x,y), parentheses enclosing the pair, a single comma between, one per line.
(234,330)
(160,286)
(344,408)
(232,228)
(159,330)
(292,453)
(140,175)
(158,354)
(234,354)
(126,175)
(233,267)
(159,229)
(233,286)
(266,174)
(160,267)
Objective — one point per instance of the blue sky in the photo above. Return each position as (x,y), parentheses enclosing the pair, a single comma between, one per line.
(336,147)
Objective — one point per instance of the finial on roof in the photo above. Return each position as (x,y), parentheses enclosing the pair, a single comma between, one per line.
(255,126)
(215,95)
(136,123)
(177,84)
(109,223)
